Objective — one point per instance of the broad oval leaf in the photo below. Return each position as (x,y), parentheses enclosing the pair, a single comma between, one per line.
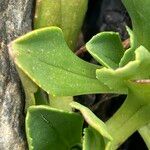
(45,57)
(49,128)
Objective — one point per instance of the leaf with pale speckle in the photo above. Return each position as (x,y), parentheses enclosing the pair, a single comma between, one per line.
(44,56)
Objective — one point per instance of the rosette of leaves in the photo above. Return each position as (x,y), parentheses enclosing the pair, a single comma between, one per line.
(45,58)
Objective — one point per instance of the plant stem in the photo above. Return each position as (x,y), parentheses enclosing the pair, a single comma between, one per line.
(145,133)
(133,114)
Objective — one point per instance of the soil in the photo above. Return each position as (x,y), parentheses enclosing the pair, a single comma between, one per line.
(106,15)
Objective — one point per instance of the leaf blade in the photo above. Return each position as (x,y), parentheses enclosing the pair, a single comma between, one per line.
(100,135)
(106,48)
(44,56)
(44,131)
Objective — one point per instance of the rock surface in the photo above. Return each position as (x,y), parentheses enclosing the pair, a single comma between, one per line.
(15,20)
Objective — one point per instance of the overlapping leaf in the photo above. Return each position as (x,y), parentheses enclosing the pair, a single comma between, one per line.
(67,15)
(137,69)
(97,134)
(44,56)
(49,128)
(106,48)
(92,139)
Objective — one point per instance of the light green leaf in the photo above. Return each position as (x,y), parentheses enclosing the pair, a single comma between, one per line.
(97,133)
(106,48)
(49,128)
(137,69)
(44,56)
(66,14)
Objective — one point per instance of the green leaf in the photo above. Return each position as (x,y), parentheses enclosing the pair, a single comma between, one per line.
(49,128)
(44,56)
(68,15)
(129,54)
(92,139)
(97,133)
(106,48)
(140,16)
(137,69)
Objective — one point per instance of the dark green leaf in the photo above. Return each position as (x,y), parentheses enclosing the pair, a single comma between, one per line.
(48,128)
